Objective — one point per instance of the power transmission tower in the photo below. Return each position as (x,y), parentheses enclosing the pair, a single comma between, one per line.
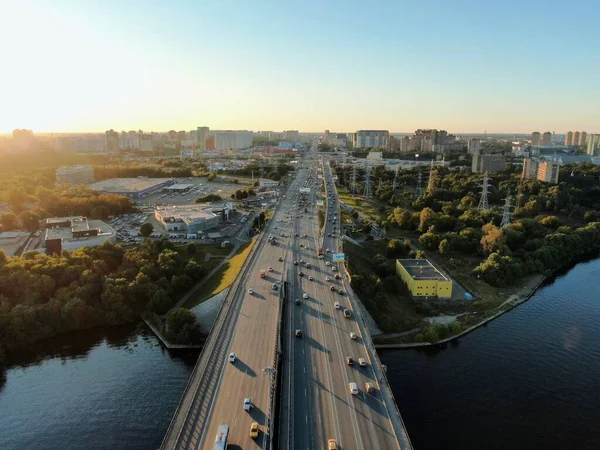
(520,194)
(483,201)
(419,189)
(367,182)
(353,185)
(395,183)
(506,210)
(380,183)
(430,183)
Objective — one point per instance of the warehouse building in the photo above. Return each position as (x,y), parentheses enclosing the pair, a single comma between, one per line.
(266,183)
(70,233)
(422,279)
(191,219)
(134,188)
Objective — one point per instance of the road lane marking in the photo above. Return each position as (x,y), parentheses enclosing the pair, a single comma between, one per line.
(305,392)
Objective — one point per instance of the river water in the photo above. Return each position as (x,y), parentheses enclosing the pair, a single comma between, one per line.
(529,379)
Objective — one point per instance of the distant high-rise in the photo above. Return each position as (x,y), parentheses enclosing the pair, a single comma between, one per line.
(582,138)
(576,138)
(371,138)
(488,163)
(546,138)
(112,141)
(202,136)
(548,171)
(474,145)
(593,144)
(535,138)
(569,139)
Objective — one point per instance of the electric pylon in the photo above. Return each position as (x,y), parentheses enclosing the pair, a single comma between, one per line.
(367,182)
(353,185)
(506,210)
(419,189)
(395,183)
(483,201)
(519,194)
(430,183)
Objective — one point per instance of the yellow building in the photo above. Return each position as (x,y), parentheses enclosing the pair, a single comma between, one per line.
(422,279)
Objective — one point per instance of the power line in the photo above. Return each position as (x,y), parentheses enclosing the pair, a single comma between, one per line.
(395,183)
(430,183)
(506,210)
(367,181)
(419,188)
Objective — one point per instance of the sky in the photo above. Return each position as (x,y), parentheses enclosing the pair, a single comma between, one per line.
(460,65)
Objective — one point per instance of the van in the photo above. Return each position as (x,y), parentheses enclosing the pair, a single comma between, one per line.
(353,388)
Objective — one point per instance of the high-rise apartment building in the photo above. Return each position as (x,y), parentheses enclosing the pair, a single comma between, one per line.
(291,135)
(371,138)
(576,138)
(546,138)
(405,143)
(232,139)
(474,146)
(488,163)
(202,135)
(74,175)
(535,138)
(582,138)
(593,144)
(112,141)
(569,139)
(548,171)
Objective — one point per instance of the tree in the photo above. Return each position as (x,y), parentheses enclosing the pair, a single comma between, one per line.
(492,239)
(146,229)
(178,318)
(8,221)
(29,220)
(160,303)
(191,249)
(426,219)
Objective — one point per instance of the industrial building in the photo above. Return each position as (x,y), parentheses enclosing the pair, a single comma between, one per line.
(423,280)
(179,187)
(75,175)
(70,233)
(191,219)
(134,188)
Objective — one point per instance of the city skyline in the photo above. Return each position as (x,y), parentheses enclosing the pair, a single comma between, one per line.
(310,67)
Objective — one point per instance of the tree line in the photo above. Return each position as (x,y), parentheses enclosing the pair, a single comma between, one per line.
(42,296)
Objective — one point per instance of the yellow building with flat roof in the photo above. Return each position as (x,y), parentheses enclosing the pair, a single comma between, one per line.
(422,279)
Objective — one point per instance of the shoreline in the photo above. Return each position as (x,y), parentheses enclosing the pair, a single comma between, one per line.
(514,303)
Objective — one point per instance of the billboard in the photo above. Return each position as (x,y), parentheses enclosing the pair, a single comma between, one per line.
(339,257)
(305,190)
(320,203)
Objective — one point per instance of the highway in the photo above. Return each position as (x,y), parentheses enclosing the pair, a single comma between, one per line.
(251,334)
(322,406)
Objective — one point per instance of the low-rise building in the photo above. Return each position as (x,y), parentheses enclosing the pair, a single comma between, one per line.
(75,175)
(70,233)
(135,188)
(191,219)
(265,183)
(423,279)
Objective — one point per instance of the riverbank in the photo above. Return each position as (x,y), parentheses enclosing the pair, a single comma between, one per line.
(512,302)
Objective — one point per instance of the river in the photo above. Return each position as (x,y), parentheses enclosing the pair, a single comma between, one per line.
(529,379)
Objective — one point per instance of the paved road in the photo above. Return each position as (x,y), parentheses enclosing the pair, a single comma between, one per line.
(322,406)
(215,396)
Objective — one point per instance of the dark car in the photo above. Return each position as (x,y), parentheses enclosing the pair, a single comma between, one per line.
(332,288)
(298,333)
(349,360)
(301,274)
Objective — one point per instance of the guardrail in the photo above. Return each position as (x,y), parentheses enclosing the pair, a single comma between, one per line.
(207,357)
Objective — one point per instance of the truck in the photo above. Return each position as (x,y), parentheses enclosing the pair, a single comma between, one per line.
(263,274)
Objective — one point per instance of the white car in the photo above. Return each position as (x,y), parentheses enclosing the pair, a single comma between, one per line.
(270,269)
(337,305)
(304,296)
(250,291)
(353,388)
(327,263)
(247,404)
(362,362)
(353,335)
(232,357)
(327,279)
(334,269)
(311,278)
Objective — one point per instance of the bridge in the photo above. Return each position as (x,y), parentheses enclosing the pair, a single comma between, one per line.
(299,386)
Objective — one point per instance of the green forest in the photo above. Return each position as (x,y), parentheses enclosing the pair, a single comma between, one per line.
(41,295)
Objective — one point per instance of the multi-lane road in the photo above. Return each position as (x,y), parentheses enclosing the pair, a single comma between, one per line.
(322,406)
(317,404)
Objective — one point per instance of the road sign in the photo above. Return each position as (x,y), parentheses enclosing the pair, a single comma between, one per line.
(320,203)
(339,257)
(305,190)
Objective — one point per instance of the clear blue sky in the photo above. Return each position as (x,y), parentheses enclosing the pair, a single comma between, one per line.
(465,66)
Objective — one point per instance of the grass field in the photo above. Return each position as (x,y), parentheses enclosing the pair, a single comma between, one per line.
(224,277)
(373,209)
